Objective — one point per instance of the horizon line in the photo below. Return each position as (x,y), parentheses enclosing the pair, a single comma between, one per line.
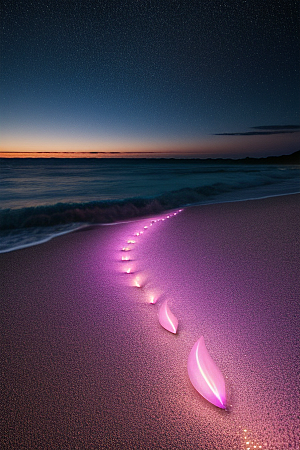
(130,154)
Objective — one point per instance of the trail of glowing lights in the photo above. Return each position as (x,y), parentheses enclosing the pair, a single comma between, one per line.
(208,377)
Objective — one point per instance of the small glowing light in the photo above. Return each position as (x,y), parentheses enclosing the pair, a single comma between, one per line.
(141,232)
(128,270)
(168,217)
(138,281)
(126,249)
(131,242)
(125,258)
(152,299)
(145,227)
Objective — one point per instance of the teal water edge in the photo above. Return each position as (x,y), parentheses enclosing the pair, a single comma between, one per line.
(44,198)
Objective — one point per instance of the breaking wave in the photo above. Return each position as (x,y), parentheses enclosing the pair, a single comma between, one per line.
(116,210)
(24,227)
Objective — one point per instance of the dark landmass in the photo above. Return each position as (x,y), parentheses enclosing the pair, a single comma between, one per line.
(293,158)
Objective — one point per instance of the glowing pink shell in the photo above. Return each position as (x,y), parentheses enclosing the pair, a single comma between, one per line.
(167,319)
(206,376)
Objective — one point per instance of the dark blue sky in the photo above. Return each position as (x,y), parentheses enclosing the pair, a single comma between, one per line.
(185,76)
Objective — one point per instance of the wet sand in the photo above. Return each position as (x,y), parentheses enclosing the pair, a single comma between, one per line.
(86,365)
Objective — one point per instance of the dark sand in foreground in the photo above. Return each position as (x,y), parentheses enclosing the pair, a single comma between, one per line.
(86,365)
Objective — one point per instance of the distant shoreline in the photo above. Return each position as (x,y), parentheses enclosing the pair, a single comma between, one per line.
(293,158)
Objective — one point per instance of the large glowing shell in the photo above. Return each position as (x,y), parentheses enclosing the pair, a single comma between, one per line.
(206,376)
(167,319)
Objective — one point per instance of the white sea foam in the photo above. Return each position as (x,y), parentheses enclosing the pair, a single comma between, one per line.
(27,237)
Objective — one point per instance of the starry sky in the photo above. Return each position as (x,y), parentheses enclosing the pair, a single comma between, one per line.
(150,77)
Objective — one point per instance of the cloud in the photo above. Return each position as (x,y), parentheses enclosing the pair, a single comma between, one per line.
(265,130)
(277,127)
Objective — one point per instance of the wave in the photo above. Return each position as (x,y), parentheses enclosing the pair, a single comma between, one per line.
(103,212)
(27,237)
(66,213)
(25,227)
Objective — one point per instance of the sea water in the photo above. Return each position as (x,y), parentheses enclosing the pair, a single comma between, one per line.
(43,198)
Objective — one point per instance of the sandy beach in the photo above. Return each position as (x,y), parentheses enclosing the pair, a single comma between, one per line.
(86,365)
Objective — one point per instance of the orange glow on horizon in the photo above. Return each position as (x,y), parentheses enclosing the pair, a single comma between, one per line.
(52,147)
(203,147)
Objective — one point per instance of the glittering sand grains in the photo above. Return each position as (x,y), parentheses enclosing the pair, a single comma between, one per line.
(85,363)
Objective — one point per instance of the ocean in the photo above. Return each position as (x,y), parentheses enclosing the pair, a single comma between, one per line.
(44,198)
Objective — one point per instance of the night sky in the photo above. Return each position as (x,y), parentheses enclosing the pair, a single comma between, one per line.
(211,78)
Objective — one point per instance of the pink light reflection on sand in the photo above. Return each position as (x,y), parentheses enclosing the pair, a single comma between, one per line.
(153,298)
(167,319)
(205,376)
(139,281)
